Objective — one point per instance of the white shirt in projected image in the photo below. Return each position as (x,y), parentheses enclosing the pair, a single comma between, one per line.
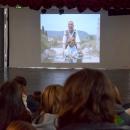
(71,43)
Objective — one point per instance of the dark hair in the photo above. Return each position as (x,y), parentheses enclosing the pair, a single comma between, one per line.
(88,97)
(37,96)
(51,99)
(22,83)
(20,125)
(21,80)
(11,106)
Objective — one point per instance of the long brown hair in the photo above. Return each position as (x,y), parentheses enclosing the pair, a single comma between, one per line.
(22,83)
(20,125)
(88,97)
(51,98)
(11,106)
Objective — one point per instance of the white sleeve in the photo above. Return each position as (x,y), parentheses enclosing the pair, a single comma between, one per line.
(64,40)
(77,40)
(77,37)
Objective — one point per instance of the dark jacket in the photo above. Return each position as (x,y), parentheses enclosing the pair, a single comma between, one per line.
(32,104)
(92,126)
(124,116)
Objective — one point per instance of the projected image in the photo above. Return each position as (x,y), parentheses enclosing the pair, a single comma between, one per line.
(70,38)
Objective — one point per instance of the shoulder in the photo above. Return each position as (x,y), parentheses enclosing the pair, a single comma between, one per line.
(50,117)
(93,126)
(25,116)
(75,32)
(45,118)
(66,32)
(46,121)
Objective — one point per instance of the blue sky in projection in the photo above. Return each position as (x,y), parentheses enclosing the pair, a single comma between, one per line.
(89,23)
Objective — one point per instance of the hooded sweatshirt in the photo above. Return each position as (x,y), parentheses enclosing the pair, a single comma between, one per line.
(45,121)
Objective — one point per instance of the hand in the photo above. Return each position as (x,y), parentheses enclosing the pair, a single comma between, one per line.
(71,40)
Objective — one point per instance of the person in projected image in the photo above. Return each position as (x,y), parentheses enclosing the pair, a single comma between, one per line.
(71,43)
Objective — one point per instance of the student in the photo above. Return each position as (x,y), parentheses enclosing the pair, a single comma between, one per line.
(11,105)
(33,101)
(50,107)
(88,102)
(23,84)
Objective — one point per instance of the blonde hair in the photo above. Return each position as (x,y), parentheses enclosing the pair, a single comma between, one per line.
(20,125)
(51,99)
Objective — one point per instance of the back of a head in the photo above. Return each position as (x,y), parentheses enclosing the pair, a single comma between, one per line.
(37,96)
(88,96)
(21,80)
(11,94)
(51,99)
(20,125)
(11,105)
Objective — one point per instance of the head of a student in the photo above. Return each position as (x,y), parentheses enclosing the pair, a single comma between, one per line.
(11,105)
(22,82)
(51,99)
(20,125)
(37,96)
(88,97)
(71,26)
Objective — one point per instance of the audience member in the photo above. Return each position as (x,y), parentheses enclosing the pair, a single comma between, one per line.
(23,84)
(11,104)
(122,117)
(88,102)
(20,125)
(33,101)
(50,106)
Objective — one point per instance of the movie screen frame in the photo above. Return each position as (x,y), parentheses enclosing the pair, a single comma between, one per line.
(83,48)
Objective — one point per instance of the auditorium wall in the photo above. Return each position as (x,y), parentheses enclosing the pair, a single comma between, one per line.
(24,41)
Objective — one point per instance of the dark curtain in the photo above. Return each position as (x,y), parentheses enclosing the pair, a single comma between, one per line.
(1,44)
(81,5)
